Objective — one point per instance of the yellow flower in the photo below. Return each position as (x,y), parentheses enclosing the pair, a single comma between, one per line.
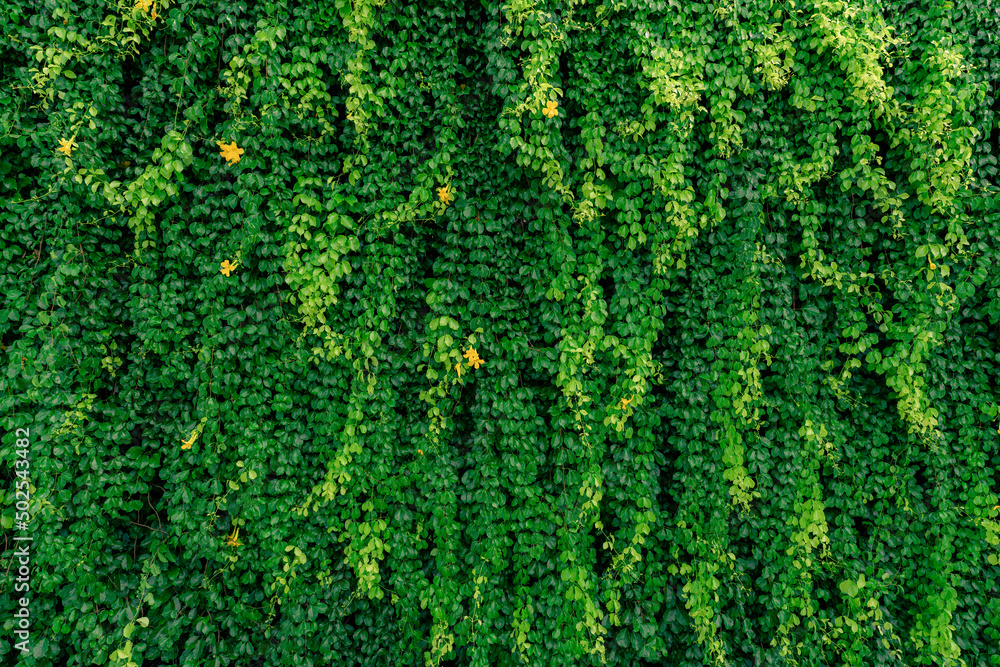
(230,152)
(444,194)
(227,267)
(66,146)
(625,402)
(233,540)
(144,5)
(420,451)
(186,444)
(473,357)
(458,367)
(550,109)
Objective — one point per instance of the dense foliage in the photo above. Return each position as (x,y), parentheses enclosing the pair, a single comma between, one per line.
(472,333)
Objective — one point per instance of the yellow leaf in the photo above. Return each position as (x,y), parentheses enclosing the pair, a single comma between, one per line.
(230,152)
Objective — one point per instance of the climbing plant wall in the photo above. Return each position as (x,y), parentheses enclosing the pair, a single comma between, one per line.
(527,333)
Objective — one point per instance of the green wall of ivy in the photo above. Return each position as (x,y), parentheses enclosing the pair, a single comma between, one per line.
(477,333)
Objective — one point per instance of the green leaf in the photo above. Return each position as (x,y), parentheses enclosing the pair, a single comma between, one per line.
(848,587)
